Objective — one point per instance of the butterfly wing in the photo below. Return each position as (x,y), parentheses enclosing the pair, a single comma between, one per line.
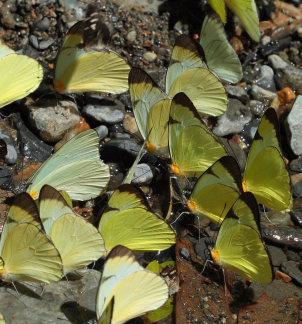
(23,210)
(266,173)
(239,247)
(220,56)
(75,168)
(78,242)
(29,255)
(142,231)
(204,89)
(21,75)
(107,314)
(246,11)
(121,271)
(268,178)
(81,70)
(216,190)
(144,93)
(185,56)
(193,148)
(157,126)
(52,206)
(220,8)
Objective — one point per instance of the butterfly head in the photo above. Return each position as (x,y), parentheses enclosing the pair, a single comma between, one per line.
(176,170)
(59,86)
(34,194)
(151,147)
(215,255)
(3,273)
(191,203)
(244,186)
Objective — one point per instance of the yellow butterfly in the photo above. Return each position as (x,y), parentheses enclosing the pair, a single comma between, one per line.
(75,168)
(142,229)
(239,246)
(26,252)
(80,68)
(193,148)
(20,75)
(78,242)
(265,175)
(246,11)
(136,291)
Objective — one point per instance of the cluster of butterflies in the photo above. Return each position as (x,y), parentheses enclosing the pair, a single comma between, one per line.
(85,63)
(44,239)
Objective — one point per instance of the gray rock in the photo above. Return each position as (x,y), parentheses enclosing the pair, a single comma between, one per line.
(266,78)
(42,24)
(46,43)
(143,175)
(104,110)
(102,131)
(277,255)
(52,119)
(293,256)
(296,165)
(291,269)
(233,120)
(34,41)
(297,189)
(57,302)
(277,289)
(257,107)
(286,74)
(262,95)
(294,126)
(237,92)
(30,145)
(250,130)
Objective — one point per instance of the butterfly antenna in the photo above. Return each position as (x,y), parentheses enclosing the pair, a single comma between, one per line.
(267,216)
(16,289)
(208,260)
(180,216)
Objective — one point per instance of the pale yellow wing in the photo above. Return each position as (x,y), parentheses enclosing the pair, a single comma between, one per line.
(135,290)
(204,89)
(78,242)
(246,11)
(20,76)
(79,70)
(29,255)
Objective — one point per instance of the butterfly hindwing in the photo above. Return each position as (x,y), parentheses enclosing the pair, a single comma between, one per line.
(192,147)
(28,255)
(21,75)
(78,241)
(75,168)
(220,56)
(239,246)
(147,290)
(216,190)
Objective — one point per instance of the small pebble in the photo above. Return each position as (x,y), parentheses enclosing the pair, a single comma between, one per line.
(131,36)
(150,56)
(143,175)
(102,131)
(185,254)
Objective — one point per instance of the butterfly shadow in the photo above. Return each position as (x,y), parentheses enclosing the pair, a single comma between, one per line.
(77,314)
(31,290)
(190,12)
